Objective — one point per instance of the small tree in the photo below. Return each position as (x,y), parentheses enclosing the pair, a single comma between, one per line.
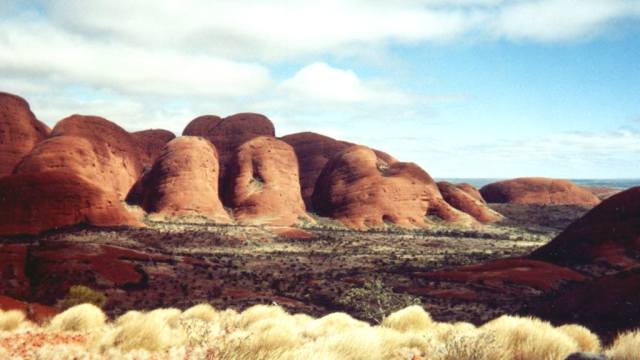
(79,294)
(374,301)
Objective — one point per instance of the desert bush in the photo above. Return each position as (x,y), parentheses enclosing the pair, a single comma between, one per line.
(79,294)
(11,320)
(586,340)
(625,347)
(374,301)
(204,312)
(412,318)
(79,318)
(529,338)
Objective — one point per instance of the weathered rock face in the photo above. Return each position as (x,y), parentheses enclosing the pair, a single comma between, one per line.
(313,152)
(467,203)
(229,133)
(361,190)
(182,182)
(32,203)
(20,131)
(117,163)
(150,144)
(538,191)
(471,190)
(609,232)
(265,186)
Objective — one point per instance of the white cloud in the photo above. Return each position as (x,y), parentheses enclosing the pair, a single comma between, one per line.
(319,82)
(560,20)
(41,50)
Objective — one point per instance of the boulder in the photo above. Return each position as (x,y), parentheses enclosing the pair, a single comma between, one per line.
(183,182)
(468,203)
(538,191)
(609,233)
(229,133)
(32,203)
(150,143)
(313,152)
(264,183)
(20,131)
(362,190)
(115,165)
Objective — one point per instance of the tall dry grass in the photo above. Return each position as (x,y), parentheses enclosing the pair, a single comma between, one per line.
(269,332)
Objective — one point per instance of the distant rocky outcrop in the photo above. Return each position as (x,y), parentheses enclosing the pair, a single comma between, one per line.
(20,131)
(264,183)
(609,233)
(32,203)
(108,155)
(314,151)
(362,190)
(150,143)
(472,191)
(183,182)
(226,134)
(466,202)
(537,190)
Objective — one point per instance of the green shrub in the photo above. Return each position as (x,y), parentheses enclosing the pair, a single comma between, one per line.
(79,294)
(374,301)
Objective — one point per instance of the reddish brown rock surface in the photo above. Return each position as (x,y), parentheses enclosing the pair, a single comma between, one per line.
(265,187)
(467,203)
(313,152)
(538,191)
(183,182)
(472,191)
(13,280)
(150,143)
(35,312)
(229,133)
(609,232)
(20,131)
(110,154)
(515,271)
(362,190)
(32,203)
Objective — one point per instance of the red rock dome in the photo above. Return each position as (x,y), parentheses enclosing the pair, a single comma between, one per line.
(32,203)
(118,165)
(362,190)
(150,143)
(265,187)
(471,190)
(538,191)
(610,233)
(183,182)
(467,203)
(20,131)
(313,152)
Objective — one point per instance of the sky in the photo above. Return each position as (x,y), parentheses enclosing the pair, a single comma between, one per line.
(464,88)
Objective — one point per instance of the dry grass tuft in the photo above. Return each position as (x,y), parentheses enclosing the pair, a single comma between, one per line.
(529,338)
(11,320)
(625,347)
(152,332)
(259,312)
(82,317)
(586,340)
(412,318)
(204,312)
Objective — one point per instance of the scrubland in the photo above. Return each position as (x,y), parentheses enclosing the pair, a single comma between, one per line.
(269,332)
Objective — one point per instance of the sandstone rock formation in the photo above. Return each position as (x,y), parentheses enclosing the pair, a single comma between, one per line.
(361,190)
(313,152)
(610,233)
(229,133)
(150,143)
(265,187)
(32,203)
(471,190)
(538,191)
(182,182)
(467,203)
(20,131)
(117,163)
